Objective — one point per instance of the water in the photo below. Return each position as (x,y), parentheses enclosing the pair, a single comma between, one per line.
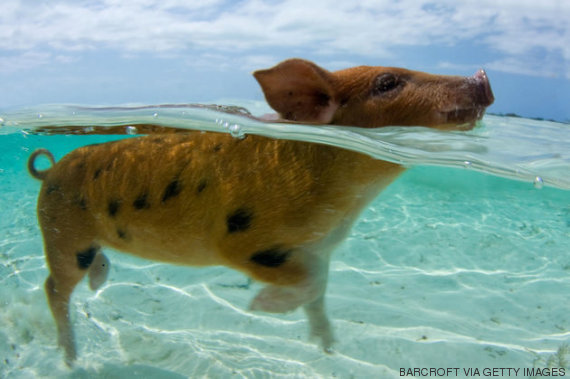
(463,262)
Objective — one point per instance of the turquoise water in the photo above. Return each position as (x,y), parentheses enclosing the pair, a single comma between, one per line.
(463,262)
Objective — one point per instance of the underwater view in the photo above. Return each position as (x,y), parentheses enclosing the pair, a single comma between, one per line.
(462,263)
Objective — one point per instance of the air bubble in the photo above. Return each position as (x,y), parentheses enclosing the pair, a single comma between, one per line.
(131,130)
(467,164)
(155,115)
(40,115)
(89,129)
(236,131)
(538,182)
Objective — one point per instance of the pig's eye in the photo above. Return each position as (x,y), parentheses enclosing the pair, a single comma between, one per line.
(385,83)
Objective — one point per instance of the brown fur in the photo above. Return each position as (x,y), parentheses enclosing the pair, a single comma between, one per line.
(273,209)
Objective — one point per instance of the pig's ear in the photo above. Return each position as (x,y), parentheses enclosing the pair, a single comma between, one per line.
(299,90)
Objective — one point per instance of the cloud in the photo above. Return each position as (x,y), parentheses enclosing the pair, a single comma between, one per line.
(543,68)
(516,30)
(23,61)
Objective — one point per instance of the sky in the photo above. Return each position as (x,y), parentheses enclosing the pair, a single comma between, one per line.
(111,52)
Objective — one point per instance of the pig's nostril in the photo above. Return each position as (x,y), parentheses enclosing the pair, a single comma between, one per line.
(487,94)
(481,75)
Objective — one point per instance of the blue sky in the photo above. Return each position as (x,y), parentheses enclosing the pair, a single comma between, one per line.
(178,51)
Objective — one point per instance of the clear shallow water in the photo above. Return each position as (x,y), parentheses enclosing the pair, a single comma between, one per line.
(449,267)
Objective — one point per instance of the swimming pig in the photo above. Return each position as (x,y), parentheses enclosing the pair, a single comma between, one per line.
(273,209)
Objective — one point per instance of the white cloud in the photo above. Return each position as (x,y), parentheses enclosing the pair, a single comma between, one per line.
(23,61)
(544,68)
(518,30)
